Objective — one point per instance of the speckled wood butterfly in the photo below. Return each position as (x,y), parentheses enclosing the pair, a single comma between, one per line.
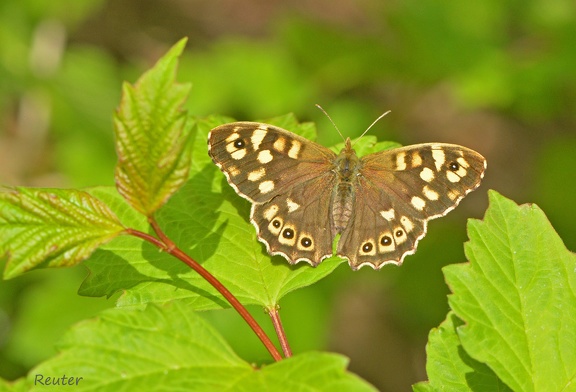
(303,194)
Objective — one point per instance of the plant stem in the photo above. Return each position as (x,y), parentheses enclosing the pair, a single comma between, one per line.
(167,245)
(277,322)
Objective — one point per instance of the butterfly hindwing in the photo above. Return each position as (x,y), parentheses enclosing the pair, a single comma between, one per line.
(383,229)
(297,225)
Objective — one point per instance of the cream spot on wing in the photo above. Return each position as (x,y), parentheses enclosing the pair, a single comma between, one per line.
(270,212)
(266,186)
(287,235)
(305,242)
(279,144)
(292,206)
(439,157)
(276,225)
(257,137)
(265,156)
(452,177)
(429,193)
(418,203)
(238,154)
(368,248)
(416,159)
(399,236)
(295,149)
(232,137)
(407,223)
(461,171)
(386,243)
(233,170)
(401,161)
(256,174)
(453,195)
(230,147)
(427,174)
(463,162)
(388,215)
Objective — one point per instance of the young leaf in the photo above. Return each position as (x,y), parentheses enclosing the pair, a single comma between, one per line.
(210,222)
(170,348)
(517,298)
(450,368)
(152,137)
(51,228)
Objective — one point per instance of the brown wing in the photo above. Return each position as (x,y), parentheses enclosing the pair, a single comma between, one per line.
(398,192)
(262,161)
(287,178)
(296,224)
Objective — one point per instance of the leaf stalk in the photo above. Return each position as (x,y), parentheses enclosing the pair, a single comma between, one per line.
(167,245)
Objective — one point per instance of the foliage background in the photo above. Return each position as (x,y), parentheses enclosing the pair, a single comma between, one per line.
(494,76)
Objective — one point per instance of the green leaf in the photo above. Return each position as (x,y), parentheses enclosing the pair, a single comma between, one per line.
(450,368)
(171,348)
(51,228)
(209,221)
(368,145)
(14,386)
(156,349)
(313,371)
(152,137)
(289,122)
(518,298)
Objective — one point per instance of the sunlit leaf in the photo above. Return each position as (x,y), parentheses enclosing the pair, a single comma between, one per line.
(51,228)
(517,297)
(450,368)
(16,386)
(152,136)
(170,348)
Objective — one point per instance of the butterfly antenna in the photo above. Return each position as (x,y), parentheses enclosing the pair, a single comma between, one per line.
(330,118)
(371,125)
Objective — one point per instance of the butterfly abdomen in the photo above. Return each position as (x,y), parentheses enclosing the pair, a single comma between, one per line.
(341,206)
(346,168)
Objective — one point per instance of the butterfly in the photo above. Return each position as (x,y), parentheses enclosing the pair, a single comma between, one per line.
(303,194)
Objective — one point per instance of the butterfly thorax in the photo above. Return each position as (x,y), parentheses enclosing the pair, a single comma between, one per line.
(347,168)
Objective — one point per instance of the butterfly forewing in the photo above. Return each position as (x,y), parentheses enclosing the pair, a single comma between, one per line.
(303,194)
(432,177)
(262,161)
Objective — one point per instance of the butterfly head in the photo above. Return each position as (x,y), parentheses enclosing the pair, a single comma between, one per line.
(348,146)
(347,162)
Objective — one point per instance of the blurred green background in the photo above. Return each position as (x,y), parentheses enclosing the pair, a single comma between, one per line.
(496,76)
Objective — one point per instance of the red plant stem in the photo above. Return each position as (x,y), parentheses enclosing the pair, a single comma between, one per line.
(277,322)
(166,244)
